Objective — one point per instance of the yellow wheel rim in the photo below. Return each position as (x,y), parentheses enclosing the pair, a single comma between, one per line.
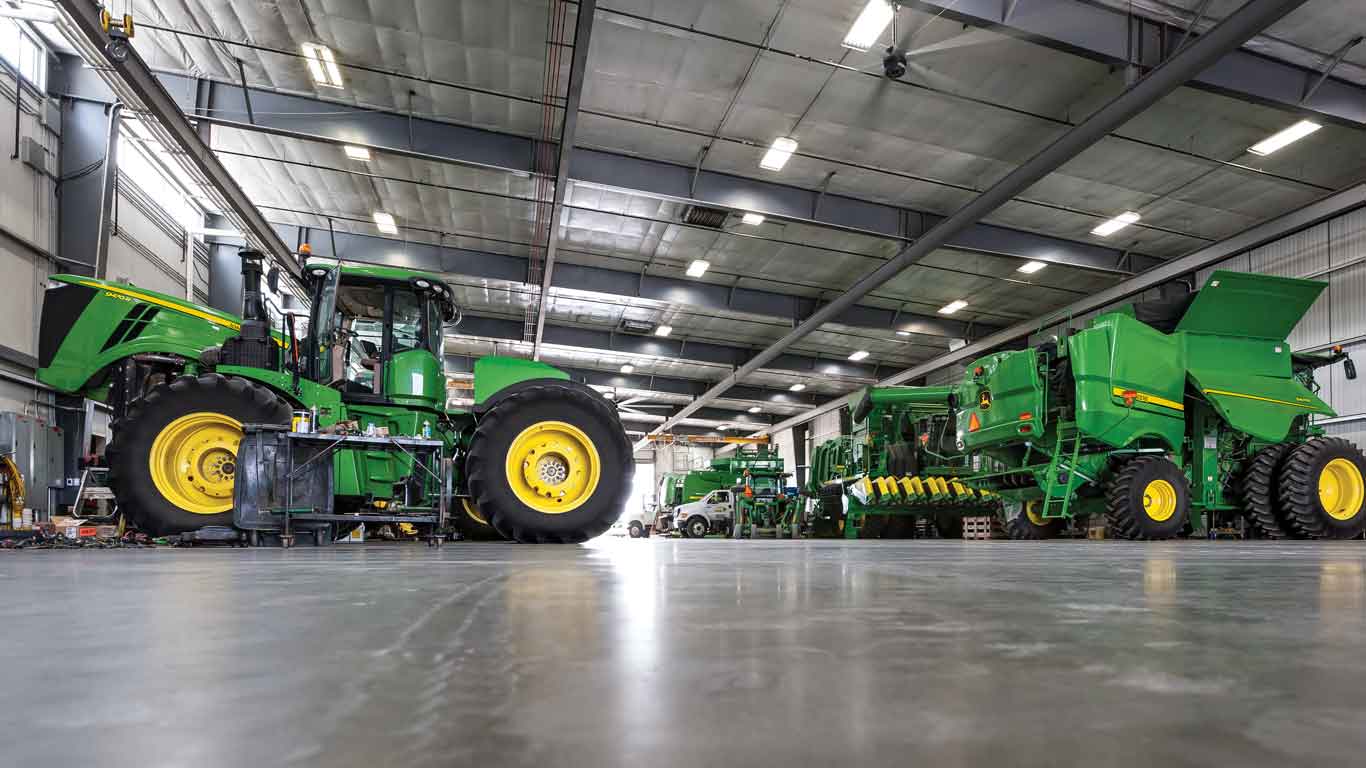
(1341,490)
(473,512)
(1159,500)
(553,467)
(1031,510)
(194,460)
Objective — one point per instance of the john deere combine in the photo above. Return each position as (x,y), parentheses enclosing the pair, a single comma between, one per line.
(1158,416)
(537,458)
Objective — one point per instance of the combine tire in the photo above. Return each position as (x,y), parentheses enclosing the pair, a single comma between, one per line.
(1149,498)
(173,458)
(696,528)
(550,463)
(1031,525)
(1322,491)
(1257,492)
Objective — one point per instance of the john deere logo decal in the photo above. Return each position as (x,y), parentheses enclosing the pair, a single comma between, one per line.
(984,400)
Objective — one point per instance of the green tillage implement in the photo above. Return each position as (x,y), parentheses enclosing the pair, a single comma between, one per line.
(537,457)
(1163,416)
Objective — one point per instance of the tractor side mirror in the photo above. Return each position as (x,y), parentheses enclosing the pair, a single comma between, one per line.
(1349,368)
(273,279)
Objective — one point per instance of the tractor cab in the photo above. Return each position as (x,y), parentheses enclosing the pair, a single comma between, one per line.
(375,334)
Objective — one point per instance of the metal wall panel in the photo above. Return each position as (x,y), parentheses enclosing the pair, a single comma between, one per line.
(1347,397)
(1297,255)
(1348,233)
(1239,263)
(1347,295)
(1355,431)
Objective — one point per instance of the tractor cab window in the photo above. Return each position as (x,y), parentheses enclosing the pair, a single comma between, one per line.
(362,324)
(359,320)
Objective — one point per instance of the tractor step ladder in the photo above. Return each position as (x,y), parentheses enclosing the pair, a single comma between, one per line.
(1067,434)
(94,487)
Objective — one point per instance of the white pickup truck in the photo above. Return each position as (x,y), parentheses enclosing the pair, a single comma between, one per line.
(712,513)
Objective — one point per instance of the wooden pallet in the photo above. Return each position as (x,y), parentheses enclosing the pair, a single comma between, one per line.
(982,528)
(1098,532)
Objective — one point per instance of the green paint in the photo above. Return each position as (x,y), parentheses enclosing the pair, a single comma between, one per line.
(494,374)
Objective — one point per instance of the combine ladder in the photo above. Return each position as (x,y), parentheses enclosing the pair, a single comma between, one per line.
(1067,433)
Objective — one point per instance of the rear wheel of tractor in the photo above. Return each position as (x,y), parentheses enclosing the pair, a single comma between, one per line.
(174,455)
(1323,491)
(549,464)
(696,528)
(1031,525)
(1257,492)
(474,526)
(1149,498)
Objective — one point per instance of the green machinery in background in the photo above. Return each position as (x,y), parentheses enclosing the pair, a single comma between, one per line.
(537,458)
(1162,417)
(754,476)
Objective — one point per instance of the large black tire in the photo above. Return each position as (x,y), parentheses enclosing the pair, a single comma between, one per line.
(1257,492)
(1024,528)
(1137,507)
(1321,489)
(635,530)
(511,420)
(130,452)
(696,527)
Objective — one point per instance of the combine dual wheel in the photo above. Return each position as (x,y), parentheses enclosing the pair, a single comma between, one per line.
(1030,524)
(1321,490)
(1149,498)
(1257,491)
(173,458)
(548,463)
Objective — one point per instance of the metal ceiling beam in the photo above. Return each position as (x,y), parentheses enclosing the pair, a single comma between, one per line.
(1230,33)
(693,294)
(133,72)
(1266,232)
(1102,33)
(578,70)
(311,119)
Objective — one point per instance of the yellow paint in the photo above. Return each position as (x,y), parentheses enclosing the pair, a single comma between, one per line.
(1159,500)
(553,467)
(912,486)
(1032,511)
(1262,399)
(473,512)
(1144,397)
(194,460)
(1341,489)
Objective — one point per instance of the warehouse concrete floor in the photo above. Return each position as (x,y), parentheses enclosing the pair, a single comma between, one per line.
(688,653)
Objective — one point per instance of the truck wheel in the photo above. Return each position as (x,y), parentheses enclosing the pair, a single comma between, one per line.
(1030,524)
(1149,498)
(696,529)
(1322,491)
(174,454)
(635,530)
(550,463)
(1257,491)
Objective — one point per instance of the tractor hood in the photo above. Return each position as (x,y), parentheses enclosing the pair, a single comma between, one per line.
(1245,305)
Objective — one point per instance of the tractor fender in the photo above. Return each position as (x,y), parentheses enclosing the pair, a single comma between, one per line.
(481,408)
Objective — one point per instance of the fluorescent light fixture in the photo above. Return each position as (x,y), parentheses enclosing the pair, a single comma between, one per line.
(755,409)
(1031,267)
(778,154)
(322,65)
(1116,224)
(357,153)
(664,330)
(385,222)
(903,333)
(862,354)
(609,395)
(869,25)
(952,306)
(752,219)
(796,388)
(1289,136)
(698,268)
(628,368)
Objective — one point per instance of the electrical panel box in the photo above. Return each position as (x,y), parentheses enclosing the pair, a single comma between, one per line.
(33,154)
(51,115)
(36,445)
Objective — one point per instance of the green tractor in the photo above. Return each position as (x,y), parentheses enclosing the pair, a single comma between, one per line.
(1160,417)
(538,458)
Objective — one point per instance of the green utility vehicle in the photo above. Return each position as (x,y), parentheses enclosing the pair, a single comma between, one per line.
(538,458)
(1159,416)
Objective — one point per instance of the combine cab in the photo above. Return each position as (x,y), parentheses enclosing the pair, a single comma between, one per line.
(1160,417)
(537,458)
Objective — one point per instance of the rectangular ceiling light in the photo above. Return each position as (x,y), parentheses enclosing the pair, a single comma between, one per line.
(753,219)
(903,333)
(1116,224)
(698,268)
(1032,267)
(628,368)
(357,153)
(869,25)
(322,65)
(385,222)
(664,330)
(859,355)
(1289,136)
(796,388)
(952,306)
(755,409)
(777,155)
